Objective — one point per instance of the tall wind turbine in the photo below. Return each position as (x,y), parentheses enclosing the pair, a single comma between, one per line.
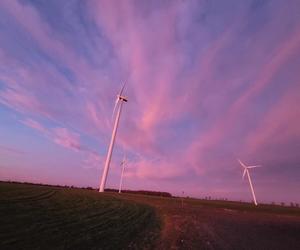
(119,102)
(123,163)
(246,171)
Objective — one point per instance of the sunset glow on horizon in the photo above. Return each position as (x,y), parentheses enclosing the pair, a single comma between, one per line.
(207,82)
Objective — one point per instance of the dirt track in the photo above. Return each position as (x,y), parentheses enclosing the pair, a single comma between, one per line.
(207,228)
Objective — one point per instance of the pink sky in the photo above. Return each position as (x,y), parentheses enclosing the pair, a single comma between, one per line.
(207,82)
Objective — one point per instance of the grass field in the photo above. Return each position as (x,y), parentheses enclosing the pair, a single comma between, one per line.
(37,217)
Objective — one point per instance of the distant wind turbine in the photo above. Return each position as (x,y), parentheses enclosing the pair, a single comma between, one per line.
(246,170)
(123,164)
(119,102)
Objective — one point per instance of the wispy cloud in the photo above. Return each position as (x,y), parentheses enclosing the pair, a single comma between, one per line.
(67,139)
(10,150)
(36,125)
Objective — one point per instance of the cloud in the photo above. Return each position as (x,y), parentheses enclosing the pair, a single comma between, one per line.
(35,125)
(231,119)
(93,161)
(66,138)
(60,136)
(10,150)
(278,129)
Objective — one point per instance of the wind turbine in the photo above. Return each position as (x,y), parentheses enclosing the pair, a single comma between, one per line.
(119,102)
(123,163)
(246,170)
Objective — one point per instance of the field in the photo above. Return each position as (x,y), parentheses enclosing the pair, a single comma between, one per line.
(201,224)
(37,217)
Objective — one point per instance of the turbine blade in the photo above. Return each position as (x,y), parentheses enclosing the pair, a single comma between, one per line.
(122,89)
(125,160)
(117,100)
(242,164)
(244,173)
(258,166)
(114,110)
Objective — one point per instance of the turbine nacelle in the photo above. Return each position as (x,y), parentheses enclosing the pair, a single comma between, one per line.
(248,167)
(124,161)
(122,98)
(119,98)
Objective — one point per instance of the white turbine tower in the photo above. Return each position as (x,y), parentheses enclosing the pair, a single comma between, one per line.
(123,164)
(119,102)
(246,170)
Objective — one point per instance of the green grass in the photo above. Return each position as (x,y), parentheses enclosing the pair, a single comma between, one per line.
(39,217)
(245,206)
(176,202)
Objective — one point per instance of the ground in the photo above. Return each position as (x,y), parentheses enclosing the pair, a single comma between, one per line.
(199,224)
(35,217)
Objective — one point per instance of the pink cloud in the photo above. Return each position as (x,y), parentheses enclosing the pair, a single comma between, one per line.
(97,119)
(14,98)
(226,122)
(42,33)
(6,149)
(61,136)
(156,169)
(66,138)
(35,125)
(93,161)
(279,126)
(28,83)
(281,55)
(162,99)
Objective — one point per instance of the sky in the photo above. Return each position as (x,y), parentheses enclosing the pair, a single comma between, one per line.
(207,82)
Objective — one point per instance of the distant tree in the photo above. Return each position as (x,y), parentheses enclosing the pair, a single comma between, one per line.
(273,203)
(282,204)
(297,204)
(155,193)
(292,204)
